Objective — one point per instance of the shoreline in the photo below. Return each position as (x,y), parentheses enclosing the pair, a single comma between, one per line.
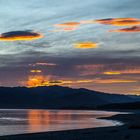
(130,130)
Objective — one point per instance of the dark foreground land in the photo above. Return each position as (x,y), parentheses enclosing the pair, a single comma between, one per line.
(129,131)
(57,97)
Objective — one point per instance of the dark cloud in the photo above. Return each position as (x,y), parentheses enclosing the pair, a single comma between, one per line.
(20,35)
(119,21)
(127,30)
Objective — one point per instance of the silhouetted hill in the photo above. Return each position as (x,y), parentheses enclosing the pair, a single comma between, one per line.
(57,97)
(131,105)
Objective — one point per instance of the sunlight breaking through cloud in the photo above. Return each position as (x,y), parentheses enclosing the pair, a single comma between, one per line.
(40,80)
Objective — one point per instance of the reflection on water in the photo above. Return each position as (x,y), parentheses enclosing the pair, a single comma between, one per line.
(27,121)
(38,118)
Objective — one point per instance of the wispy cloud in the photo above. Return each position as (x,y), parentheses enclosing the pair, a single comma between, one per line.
(111,81)
(68,26)
(43,64)
(107,69)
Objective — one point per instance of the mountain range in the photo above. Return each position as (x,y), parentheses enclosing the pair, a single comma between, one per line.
(57,97)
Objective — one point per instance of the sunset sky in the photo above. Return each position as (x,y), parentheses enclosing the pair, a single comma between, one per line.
(92,44)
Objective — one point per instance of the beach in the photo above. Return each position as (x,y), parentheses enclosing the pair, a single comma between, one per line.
(129,131)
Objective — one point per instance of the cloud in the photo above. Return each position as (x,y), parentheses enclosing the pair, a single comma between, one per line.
(35,71)
(125,30)
(129,71)
(40,80)
(111,81)
(65,29)
(43,64)
(68,26)
(108,69)
(89,69)
(119,21)
(20,35)
(86,45)
(90,66)
(111,72)
(87,21)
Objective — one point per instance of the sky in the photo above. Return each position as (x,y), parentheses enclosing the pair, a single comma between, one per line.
(90,44)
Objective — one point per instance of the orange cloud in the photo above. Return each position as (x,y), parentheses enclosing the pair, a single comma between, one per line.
(125,30)
(66,29)
(68,26)
(112,72)
(35,71)
(119,21)
(84,81)
(20,35)
(86,45)
(35,81)
(111,81)
(136,91)
(130,71)
(97,81)
(40,80)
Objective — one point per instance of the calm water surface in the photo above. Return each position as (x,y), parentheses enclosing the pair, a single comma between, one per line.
(29,121)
